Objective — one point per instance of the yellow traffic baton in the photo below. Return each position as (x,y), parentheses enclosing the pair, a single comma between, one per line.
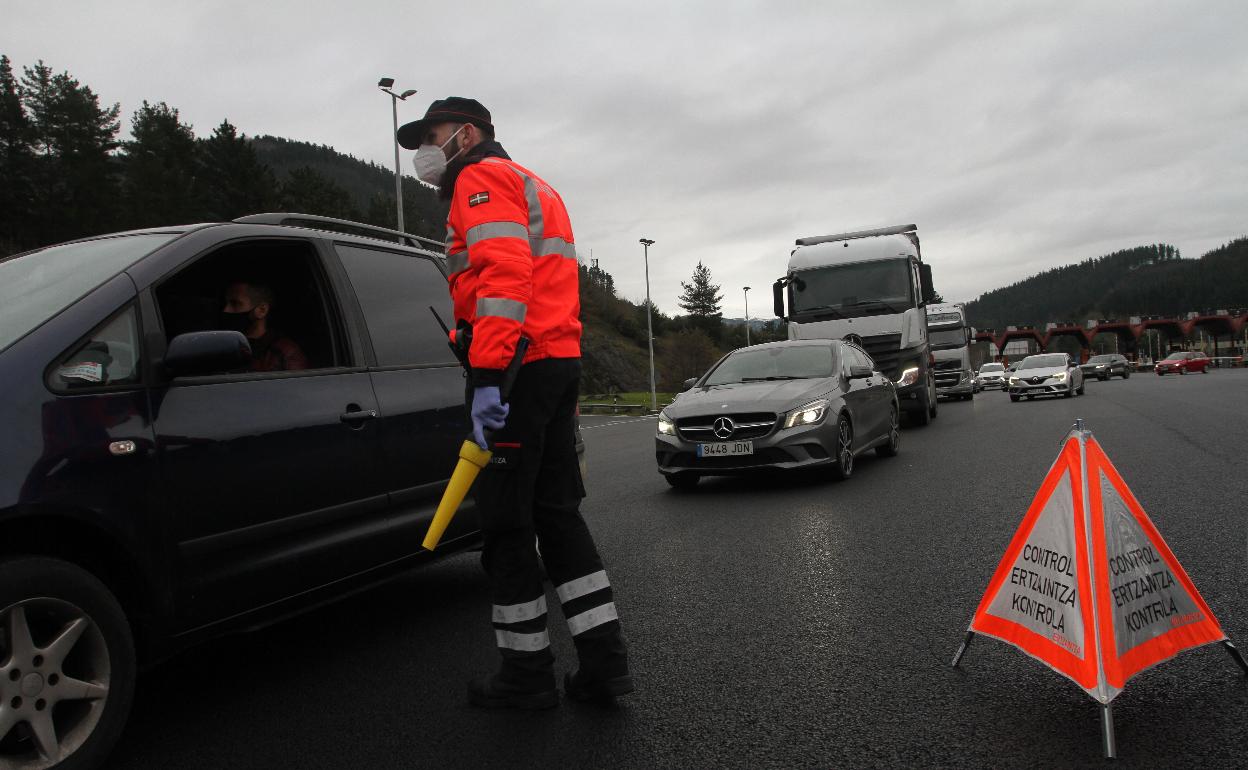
(472,459)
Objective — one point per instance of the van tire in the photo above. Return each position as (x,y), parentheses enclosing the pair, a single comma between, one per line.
(49,597)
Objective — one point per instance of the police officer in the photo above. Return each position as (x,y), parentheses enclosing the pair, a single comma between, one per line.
(513,274)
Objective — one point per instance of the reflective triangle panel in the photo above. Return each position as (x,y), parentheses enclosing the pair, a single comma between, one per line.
(1147,607)
(1040,597)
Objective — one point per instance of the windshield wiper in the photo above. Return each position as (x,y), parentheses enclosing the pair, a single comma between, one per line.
(874,302)
(822,310)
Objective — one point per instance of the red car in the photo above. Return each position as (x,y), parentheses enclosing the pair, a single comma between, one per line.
(1182,361)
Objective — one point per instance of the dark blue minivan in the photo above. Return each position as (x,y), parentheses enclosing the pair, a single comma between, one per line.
(157,489)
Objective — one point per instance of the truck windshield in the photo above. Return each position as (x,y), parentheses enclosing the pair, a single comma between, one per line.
(861,288)
(790,362)
(947,339)
(38,285)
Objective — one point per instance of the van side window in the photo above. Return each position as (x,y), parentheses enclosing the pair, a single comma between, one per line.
(278,286)
(396,291)
(110,356)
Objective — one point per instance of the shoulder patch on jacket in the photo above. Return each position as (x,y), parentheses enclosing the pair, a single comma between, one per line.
(477,199)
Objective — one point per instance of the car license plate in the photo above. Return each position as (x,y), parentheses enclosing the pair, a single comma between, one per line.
(1036,390)
(726,449)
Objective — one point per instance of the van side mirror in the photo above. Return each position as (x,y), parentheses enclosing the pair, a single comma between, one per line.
(859,372)
(212,352)
(689,383)
(925,282)
(777,298)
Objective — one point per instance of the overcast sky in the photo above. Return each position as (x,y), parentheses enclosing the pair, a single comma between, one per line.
(1017,136)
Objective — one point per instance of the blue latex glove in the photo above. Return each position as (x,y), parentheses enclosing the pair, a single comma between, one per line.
(488,411)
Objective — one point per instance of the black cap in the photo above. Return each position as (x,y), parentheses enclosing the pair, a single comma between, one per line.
(452,109)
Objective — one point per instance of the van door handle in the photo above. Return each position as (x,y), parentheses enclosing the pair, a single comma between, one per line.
(357,416)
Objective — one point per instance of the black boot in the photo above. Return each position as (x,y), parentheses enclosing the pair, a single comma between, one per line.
(583,688)
(492,693)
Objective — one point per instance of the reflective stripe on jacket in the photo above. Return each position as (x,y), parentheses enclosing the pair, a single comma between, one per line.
(512,260)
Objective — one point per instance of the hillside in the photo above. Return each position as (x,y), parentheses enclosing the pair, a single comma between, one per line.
(1146,280)
(369,187)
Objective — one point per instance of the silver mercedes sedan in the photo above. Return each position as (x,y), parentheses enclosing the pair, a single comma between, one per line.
(779,405)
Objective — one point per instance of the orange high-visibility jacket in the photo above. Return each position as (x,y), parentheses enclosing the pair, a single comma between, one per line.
(513,270)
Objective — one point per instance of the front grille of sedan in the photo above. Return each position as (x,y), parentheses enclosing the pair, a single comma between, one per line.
(1036,380)
(746,426)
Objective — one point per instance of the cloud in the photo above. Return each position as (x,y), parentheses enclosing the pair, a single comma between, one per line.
(1017,136)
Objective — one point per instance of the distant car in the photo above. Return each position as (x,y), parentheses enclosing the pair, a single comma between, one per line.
(1182,362)
(789,404)
(990,376)
(1046,374)
(1107,365)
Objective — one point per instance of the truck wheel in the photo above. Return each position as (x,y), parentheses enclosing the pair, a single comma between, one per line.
(922,414)
(931,403)
(889,449)
(67,679)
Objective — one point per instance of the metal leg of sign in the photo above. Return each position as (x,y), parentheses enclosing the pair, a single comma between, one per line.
(1236,655)
(1107,731)
(957,656)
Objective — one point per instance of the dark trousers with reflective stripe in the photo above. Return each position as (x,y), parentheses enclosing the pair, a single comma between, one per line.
(529,497)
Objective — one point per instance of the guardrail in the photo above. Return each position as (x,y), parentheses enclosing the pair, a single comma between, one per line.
(590,408)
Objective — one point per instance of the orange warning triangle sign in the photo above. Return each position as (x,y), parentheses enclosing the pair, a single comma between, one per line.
(1087,585)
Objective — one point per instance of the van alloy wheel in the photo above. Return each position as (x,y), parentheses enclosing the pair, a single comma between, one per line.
(66,666)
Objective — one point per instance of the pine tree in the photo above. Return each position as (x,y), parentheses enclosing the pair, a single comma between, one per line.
(17,160)
(700,299)
(74,185)
(159,168)
(231,180)
(307,191)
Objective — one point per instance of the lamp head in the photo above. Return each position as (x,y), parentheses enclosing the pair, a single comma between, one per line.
(385,83)
(407,93)
(646,241)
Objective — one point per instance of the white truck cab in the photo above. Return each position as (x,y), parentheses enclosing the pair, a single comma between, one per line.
(949,336)
(869,287)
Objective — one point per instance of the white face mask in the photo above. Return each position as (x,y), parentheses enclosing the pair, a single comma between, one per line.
(430,161)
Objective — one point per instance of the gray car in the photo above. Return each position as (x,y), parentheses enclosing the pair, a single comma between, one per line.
(1045,374)
(1107,365)
(780,405)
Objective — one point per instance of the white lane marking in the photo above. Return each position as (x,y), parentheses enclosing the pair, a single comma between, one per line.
(619,422)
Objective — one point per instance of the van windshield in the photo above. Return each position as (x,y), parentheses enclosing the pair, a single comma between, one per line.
(38,285)
(861,288)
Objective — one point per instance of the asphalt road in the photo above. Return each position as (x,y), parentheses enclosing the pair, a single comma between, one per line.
(779,621)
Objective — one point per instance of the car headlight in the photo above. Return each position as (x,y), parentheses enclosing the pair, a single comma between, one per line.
(1060,376)
(1100,366)
(807,415)
(666,426)
(1013,380)
(908,377)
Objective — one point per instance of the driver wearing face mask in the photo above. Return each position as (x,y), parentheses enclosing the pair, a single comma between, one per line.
(246,310)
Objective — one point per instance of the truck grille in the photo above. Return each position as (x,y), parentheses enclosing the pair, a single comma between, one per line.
(744,426)
(948,379)
(884,350)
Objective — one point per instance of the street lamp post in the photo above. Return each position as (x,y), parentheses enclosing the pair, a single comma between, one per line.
(654,398)
(747,316)
(385,84)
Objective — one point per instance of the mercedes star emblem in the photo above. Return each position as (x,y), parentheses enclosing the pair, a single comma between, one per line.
(723,428)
